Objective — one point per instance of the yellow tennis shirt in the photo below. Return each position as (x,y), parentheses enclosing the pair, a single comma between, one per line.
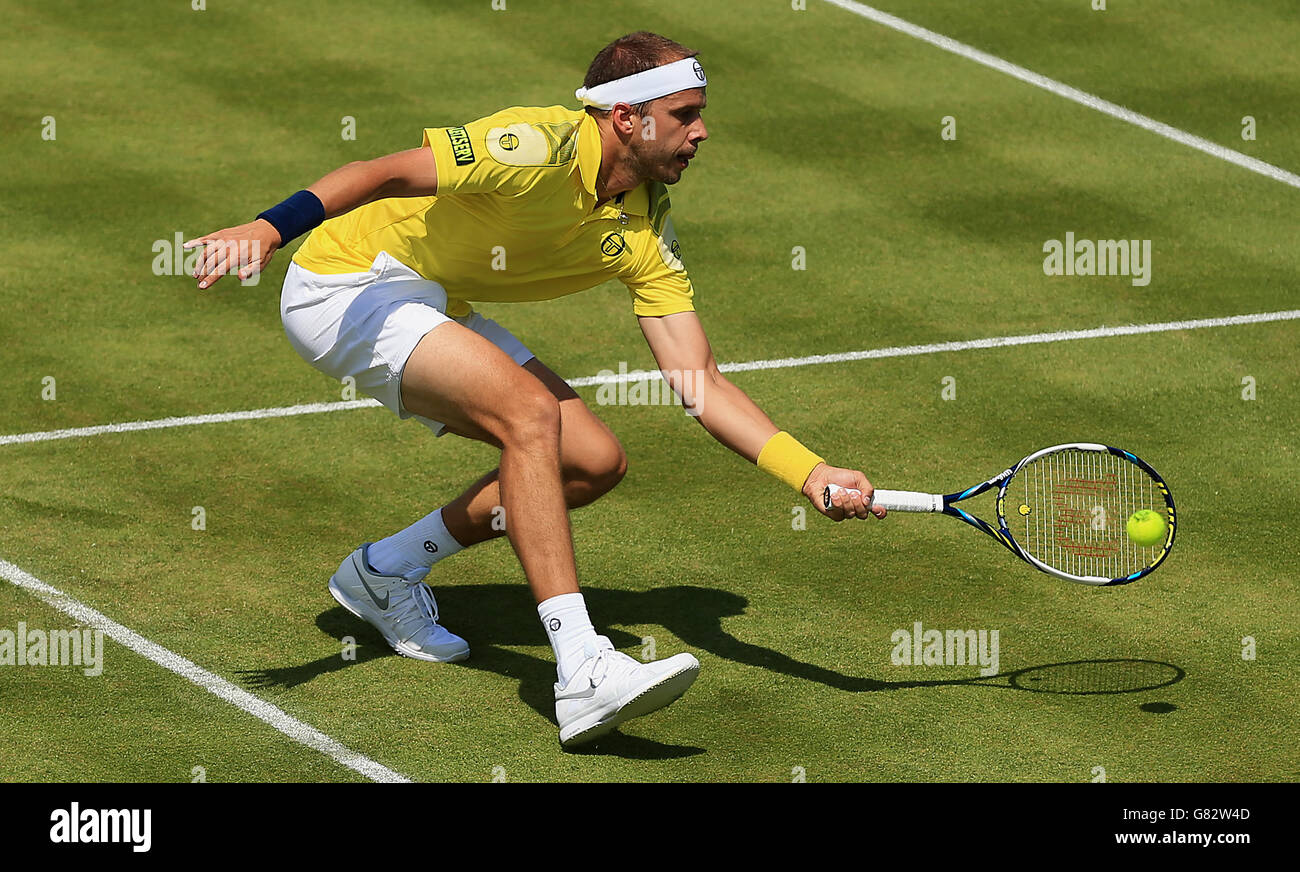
(515,220)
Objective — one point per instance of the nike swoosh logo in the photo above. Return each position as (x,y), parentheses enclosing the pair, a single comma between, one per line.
(382,603)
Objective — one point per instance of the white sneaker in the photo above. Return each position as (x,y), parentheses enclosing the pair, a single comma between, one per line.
(405,612)
(610,688)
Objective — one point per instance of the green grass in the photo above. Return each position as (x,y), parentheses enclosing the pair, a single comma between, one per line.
(824,134)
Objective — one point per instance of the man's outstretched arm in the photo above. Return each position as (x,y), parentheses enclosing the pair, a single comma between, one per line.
(682,352)
(248,247)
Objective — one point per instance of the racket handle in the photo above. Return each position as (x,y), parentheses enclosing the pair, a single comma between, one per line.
(892,500)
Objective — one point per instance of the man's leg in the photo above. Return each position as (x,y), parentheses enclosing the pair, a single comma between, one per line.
(461,379)
(592,462)
(519,409)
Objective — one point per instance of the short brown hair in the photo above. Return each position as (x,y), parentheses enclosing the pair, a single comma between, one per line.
(629,55)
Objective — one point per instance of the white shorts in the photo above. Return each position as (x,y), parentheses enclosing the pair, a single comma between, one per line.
(365,325)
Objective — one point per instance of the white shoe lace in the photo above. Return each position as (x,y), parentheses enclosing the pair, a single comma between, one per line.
(601,649)
(425,602)
(418,604)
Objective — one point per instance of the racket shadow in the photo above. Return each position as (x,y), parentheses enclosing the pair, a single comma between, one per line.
(1072,678)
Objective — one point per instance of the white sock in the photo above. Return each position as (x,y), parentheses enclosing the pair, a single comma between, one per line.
(410,553)
(568,628)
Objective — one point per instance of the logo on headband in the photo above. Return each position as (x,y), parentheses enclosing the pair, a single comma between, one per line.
(699,71)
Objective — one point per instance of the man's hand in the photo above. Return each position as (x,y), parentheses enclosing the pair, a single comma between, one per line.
(843,504)
(246,248)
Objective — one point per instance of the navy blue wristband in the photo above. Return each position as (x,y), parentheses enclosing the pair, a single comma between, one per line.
(295,216)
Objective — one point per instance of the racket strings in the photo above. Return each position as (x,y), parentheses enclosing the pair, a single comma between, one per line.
(1073,510)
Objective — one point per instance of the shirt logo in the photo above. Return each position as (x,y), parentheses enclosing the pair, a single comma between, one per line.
(460,146)
(676,249)
(509,141)
(613,244)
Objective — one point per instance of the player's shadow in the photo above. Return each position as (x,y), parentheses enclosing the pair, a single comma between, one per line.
(497,617)
(338,623)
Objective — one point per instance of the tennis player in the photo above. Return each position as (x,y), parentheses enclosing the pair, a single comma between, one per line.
(524,204)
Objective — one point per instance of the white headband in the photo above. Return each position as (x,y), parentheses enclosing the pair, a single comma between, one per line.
(641,87)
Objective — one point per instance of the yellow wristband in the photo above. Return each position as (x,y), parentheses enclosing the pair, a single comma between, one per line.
(786,458)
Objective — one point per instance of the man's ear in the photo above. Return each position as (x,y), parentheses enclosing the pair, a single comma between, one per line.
(623,119)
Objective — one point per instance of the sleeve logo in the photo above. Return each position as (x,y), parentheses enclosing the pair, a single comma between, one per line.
(519,145)
(613,244)
(669,248)
(461,149)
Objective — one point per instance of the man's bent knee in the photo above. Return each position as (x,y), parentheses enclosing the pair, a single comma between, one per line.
(599,471)
(533,417)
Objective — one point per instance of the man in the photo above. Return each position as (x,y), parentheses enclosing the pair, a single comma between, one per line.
(525,204)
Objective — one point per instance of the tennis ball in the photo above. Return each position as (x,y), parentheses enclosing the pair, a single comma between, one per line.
(1146,527)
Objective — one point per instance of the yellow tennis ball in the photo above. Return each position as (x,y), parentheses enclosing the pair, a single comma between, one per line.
(1146,527)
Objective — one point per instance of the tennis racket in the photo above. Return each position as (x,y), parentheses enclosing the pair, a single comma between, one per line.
(1069,505)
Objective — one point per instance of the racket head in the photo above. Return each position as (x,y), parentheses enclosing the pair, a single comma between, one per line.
(1069,508)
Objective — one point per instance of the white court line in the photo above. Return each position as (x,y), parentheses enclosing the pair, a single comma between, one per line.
(961,345)
(187,421)
(169,660)
(650,375)
(1062,90)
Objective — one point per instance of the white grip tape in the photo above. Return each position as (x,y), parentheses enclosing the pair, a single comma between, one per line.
(898,501)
